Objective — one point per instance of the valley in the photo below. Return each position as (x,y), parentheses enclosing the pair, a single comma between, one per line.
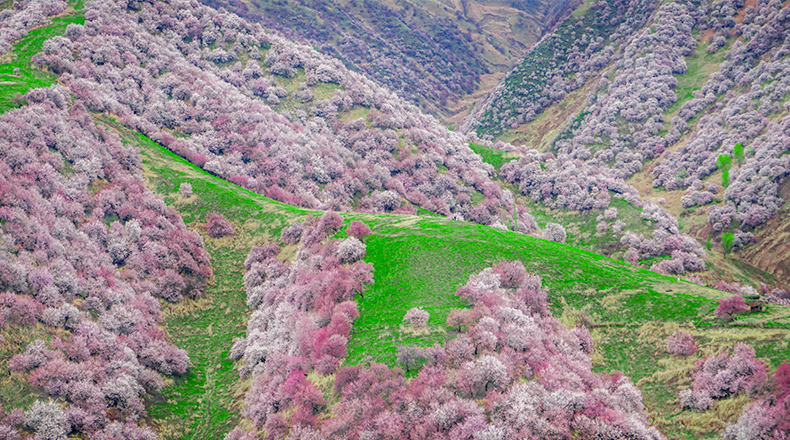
(400,220)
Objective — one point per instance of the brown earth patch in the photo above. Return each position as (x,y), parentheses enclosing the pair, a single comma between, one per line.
(742,12)
(457,111)
(541,132)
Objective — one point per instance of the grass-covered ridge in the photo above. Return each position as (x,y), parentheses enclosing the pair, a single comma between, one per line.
(420,261)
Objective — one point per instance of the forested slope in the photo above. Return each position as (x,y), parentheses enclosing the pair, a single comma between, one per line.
(283,120)
(436,54)
(150,288)
(687,106)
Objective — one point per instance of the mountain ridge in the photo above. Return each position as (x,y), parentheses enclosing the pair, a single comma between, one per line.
(491,33)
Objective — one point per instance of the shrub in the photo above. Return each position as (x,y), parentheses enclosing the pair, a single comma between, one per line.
(357,229)
(555,232)
(330,222)
(417,317)
(720,376)
(729,307)
(727,240)
(512,274)
(261,253)
(218,226)
(681,343)
(351,250)
(47,420)
(292,234)
(185,189)
(410,356)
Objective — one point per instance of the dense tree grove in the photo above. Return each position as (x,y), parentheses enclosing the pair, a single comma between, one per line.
(739,119)
(29,14)
(562,184)
(302,319)
(86,249)
(681,343)
(617,132)
(561,62)
(738,114)
(622,125)
(212,78)
(88,254)
(721,376)
(769,417)
(580,182)
(297,337)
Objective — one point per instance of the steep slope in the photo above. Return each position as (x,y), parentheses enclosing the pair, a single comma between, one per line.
(562,62)
(86,254)
(285,121)
(771,253)
(23,36)
(437,54)
(690,112)
(328,138)
(616,302)
(275,116)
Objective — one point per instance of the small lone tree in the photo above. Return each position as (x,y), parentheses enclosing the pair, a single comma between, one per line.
(730,307)
(723,163)
(555,232)
(410,356)
(417,317)
(459,317)
(727,240)
(681,343)
(358,230)
(737,152)
(218,226)
(185,189)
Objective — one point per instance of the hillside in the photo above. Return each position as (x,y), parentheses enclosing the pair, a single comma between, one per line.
(440,55)
(210,231)
(288,122)
(419,261)
(616,302)
(660,111)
